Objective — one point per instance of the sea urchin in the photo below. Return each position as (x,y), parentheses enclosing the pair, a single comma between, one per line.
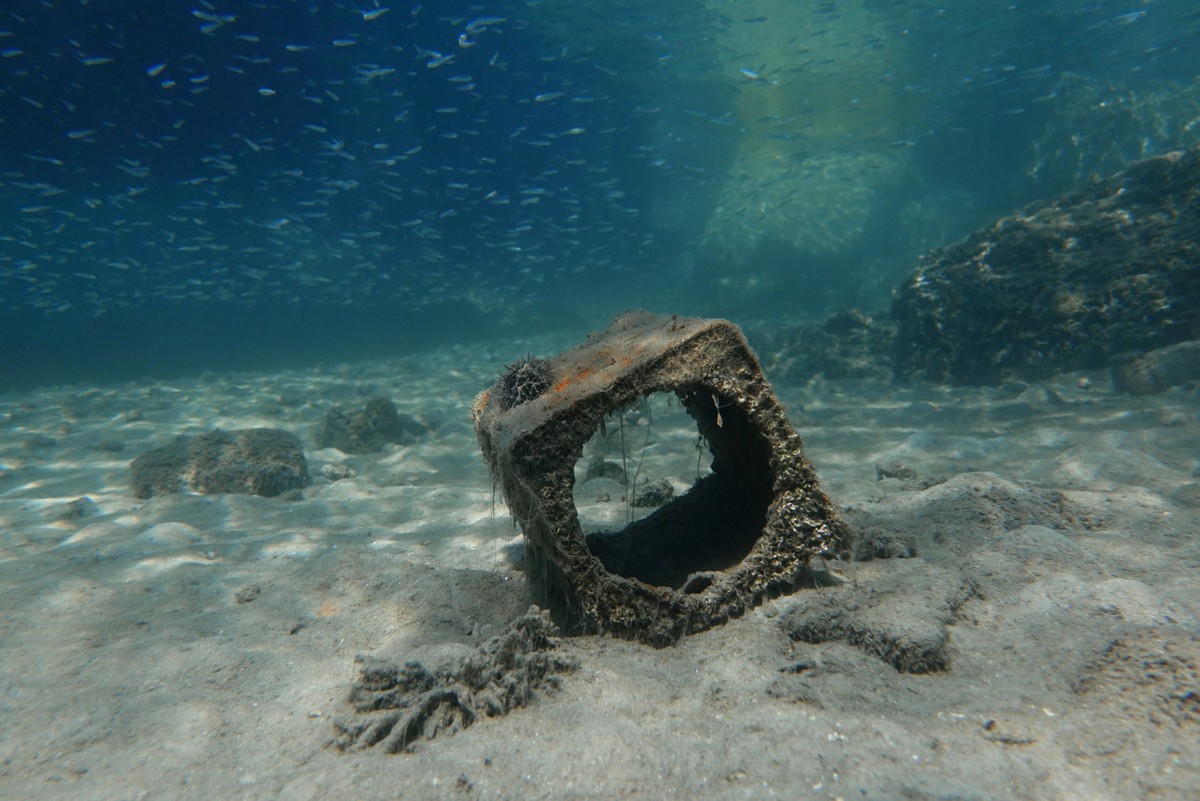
(524,380)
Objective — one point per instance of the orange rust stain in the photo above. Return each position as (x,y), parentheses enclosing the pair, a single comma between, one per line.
(582,375)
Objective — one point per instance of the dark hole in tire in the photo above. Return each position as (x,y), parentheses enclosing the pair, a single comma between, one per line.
(712,525)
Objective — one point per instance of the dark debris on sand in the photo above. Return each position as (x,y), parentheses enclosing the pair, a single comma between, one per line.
(398,705)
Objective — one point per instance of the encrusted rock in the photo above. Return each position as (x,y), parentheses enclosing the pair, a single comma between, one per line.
(1061,285)
(368,429)
(251,461)
(1158,370)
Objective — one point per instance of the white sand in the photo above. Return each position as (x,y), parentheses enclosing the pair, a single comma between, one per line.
(200,647)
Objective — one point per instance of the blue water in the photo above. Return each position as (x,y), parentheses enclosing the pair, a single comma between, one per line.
(187,186)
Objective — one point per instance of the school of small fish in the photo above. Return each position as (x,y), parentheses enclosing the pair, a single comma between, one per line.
(296,152)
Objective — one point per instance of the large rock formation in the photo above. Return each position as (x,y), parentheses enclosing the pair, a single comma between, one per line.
(1063,284)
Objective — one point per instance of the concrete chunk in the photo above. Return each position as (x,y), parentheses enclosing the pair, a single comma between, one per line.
(740,534)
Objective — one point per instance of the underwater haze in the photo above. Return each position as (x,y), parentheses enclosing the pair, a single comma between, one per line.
(186,186)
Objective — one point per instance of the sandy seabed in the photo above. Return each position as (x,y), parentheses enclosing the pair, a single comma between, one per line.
(201,647)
